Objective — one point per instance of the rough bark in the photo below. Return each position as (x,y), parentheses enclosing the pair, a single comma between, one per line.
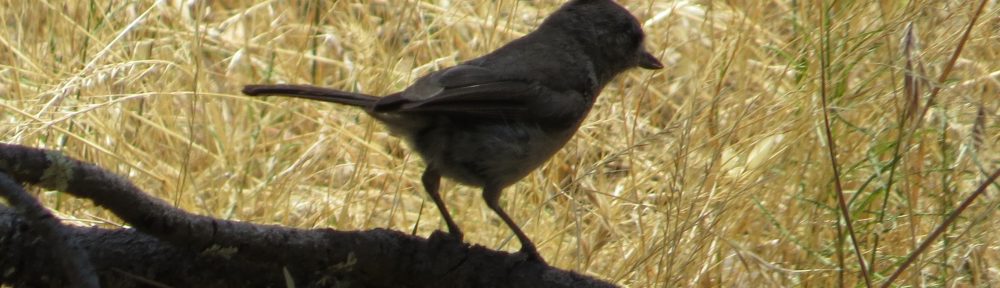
(171,247)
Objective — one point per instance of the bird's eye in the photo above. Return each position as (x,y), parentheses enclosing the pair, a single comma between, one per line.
(635,35)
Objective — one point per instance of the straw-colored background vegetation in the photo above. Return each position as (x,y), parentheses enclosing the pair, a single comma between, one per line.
(712,172)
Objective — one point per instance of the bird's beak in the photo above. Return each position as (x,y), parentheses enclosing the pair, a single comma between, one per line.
(648,61)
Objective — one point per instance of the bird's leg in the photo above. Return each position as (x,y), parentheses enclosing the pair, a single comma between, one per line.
(491,193)
(432,181)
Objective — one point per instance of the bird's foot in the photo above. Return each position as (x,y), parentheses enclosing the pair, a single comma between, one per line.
(456,234)
(531,254)
(442,236)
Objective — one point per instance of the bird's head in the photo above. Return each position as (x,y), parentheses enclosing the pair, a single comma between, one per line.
(607,31)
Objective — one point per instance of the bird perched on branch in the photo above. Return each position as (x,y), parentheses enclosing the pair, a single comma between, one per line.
(490,121)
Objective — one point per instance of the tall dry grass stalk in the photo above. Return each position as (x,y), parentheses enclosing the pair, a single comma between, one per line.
(711,172)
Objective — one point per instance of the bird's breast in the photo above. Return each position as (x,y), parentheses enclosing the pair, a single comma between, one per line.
(488,152)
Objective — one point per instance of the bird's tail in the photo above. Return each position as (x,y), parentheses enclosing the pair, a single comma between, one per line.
(311,92)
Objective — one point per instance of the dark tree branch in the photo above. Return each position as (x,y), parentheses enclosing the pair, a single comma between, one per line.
(239,254)
(50,234)
(123,258)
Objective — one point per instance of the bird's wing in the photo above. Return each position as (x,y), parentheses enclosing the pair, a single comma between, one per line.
(469,90)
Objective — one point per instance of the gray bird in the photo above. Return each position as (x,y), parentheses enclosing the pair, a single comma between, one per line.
(490,121)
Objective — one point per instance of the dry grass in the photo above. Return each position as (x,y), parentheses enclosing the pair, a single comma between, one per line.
(712,172)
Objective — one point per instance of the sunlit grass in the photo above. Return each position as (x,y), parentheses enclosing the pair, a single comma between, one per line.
(711,172)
